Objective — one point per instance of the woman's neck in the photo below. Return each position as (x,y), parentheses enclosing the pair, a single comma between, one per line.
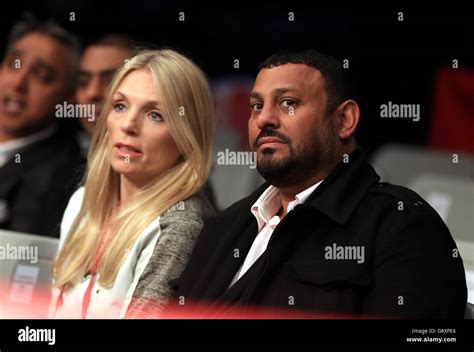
(128,189)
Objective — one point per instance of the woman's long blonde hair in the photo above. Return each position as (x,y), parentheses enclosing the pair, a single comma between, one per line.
(188,110)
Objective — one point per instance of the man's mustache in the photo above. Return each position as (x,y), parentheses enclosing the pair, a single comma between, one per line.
(268,132)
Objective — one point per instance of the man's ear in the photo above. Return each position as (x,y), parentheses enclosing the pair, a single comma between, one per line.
(347,118)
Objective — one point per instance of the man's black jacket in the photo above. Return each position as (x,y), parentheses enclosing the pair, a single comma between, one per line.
(36,187)
(410,266)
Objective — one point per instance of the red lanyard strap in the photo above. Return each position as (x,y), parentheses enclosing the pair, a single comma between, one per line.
(87,295)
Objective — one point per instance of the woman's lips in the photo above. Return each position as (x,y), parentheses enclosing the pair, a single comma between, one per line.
(125,150)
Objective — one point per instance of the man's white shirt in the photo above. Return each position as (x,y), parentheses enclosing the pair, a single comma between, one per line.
(265,210)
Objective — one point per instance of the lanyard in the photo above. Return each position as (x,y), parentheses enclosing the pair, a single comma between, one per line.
(87,295)
(97,255)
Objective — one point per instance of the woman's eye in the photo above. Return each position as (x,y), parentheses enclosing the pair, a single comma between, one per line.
(119,107)
(256,106)
(156,116)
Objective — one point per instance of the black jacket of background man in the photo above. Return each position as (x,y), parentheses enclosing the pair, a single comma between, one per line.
(36,189)
(410,269)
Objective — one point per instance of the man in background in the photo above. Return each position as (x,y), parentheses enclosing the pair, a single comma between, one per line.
(98,64)
(38,159)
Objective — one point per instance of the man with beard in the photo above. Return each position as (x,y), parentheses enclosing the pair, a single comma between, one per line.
(323,237)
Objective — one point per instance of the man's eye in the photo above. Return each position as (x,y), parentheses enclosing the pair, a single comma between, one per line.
(82,82)
(288,102)
(256,106)
(44,75)
(11,63)
(119,107)
(107,79)
(156,116)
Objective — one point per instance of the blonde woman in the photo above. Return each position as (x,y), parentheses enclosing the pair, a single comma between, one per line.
(131,228)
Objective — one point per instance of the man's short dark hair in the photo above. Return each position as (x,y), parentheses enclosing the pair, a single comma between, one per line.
(336,83)
(116,40)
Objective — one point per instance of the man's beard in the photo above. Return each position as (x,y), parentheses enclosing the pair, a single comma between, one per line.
(299,165)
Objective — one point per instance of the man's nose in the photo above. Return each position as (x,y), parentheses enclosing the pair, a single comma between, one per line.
(95,90)
(268,117)
(19,79)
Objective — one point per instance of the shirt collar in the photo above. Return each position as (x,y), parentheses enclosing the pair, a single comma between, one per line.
(301,197)
(269,203)
(10,148)
(340,193)
(266,206)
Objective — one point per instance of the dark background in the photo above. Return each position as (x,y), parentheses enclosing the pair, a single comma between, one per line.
(389,60)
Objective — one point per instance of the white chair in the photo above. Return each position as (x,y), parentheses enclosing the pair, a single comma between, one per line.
(401,164)
(453,199)
(231,183)
(26,272)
